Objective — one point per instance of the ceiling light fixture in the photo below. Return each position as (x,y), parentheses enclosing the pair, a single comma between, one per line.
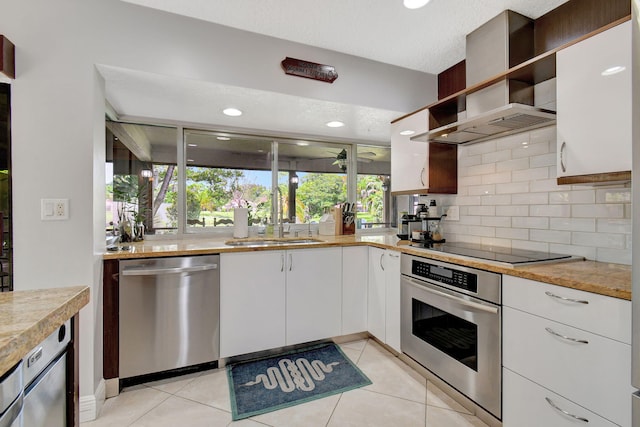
(335,124)
(146,173)
(302,143)
(192,145)
(223,138)
(613,70)
(415,4)
(190,160)
(233,112)
(407,132)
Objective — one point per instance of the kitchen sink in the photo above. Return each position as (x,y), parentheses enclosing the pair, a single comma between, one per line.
(271,242)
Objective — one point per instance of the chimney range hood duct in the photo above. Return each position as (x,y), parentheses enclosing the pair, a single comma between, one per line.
(506,107)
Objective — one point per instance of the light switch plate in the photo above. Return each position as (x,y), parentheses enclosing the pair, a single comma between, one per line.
(54,209)
(453,213)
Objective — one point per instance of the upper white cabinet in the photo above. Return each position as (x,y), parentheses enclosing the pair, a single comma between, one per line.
(594,107)
(409,158)
(420,167)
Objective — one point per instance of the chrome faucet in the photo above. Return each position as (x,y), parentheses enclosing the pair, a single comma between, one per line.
(279,204)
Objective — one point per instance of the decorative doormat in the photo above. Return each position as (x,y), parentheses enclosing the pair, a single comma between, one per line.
(277,382)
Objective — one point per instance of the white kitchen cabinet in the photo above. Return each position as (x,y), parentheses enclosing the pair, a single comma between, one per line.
(377,295)
(355,274)
(594,110)
(409,158)
(252,295)
(527,404)
(384,296)
(569,347)
(392,295)
(314,294)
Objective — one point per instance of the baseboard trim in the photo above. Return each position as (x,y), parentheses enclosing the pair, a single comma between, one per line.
(91,405)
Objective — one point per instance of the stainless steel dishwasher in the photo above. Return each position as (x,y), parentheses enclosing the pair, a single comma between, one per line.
(169,314)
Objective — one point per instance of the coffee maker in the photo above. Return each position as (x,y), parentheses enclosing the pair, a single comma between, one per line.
(407,225)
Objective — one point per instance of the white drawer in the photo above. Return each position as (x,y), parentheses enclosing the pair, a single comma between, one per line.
(525,405)
(607,316)
(596,374)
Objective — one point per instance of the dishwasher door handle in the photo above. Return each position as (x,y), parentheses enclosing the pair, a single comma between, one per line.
(167,270)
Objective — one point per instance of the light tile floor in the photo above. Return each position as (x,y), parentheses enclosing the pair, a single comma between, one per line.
(399,396)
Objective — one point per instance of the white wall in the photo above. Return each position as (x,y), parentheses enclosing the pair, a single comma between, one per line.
(58,129)
(508,196)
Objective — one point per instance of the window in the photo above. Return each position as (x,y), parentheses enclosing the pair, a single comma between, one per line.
(224,170)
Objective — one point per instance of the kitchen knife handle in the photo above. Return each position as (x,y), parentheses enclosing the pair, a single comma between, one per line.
(577,301)
(568,414)
(562,148)
(564,337)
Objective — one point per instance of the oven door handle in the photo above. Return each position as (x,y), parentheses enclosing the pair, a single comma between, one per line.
(457,300)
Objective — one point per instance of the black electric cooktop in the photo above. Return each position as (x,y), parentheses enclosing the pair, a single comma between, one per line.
(496,253)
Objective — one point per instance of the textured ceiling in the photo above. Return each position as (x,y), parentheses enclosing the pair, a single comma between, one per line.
(429,39)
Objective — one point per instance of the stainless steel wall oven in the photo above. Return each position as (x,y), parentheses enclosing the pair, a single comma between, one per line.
(451,324)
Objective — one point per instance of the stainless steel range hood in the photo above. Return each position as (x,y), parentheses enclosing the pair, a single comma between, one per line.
(502,121)
(506,107)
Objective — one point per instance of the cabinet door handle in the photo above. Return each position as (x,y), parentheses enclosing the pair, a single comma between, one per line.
(562,148)
(564,337)
(290,261)
(282,262)
(557,408)
(381,264)
(577,301)
(422,176)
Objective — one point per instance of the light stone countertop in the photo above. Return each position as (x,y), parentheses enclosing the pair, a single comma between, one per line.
(28,317)
(602,278)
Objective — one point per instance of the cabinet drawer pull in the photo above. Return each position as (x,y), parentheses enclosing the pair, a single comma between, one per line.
(577,301)
(575,417)
(290,262)
(381,264)
(562,148)
(282,262)
(422,177)
(564,337)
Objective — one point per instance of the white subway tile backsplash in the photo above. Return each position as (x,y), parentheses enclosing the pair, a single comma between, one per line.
(513,210)
(618,256)
(513,165)
(551,236)
(598,211)
(530,150)
(608,225)
(482,210)
(544,185)
(497,178)
(530,198)
(496,200)
(529,222)
(512,233)
(573,224)
(496,221)
(550,210)
(600,240)
(513,188)
(613,195)
(543,160)
(496,156)
(530,174)
(508,196)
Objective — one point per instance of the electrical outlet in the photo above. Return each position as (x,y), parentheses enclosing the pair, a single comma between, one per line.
(453,213)
(54,209)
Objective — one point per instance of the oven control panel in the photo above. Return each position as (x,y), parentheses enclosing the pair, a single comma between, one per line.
(449,276)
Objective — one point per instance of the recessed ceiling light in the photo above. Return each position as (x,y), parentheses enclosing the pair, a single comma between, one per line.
(407,132)
(223,138)
(613,70)
(415,4)
(302,143)
(233,112)
(335,124)
(192,145)
(190,160)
